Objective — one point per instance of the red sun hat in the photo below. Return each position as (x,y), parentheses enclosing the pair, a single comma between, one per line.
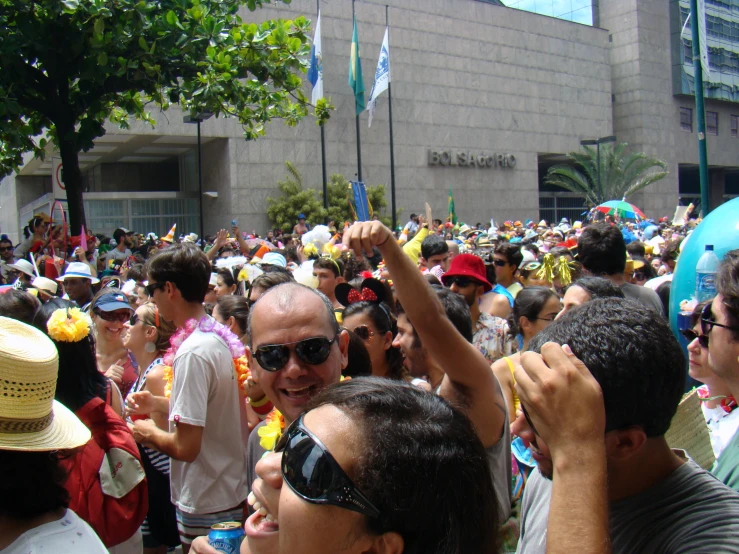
(468,265)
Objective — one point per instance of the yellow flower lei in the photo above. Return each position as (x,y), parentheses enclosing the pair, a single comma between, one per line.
(68,325)
(240,364)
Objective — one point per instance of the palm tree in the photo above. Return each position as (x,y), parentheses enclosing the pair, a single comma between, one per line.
(619,175)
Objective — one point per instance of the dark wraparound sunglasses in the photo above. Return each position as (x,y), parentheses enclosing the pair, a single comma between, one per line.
(151,287)
(691,335)
(500,263)
(313,351)
(461,282)
(708,321)
(121,316)
(314,475)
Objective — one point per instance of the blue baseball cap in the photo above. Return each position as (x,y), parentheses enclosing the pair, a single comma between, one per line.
(113,301)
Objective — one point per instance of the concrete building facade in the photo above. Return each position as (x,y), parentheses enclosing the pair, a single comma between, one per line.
(484,97)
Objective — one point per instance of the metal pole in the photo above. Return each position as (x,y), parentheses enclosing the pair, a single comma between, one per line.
(392,148)
(700,110)
(323,148)
(597,158)
(359,143)
(200,190)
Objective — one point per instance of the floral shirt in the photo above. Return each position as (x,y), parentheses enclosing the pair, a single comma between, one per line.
(493,337)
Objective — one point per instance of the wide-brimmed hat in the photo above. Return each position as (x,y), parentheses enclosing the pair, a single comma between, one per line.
(24,266)
(78,270)
(45,285)
(112,301)
(30,418)
(468,265)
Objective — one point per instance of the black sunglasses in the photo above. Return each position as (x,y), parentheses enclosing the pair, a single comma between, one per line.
(5,248)
(313,351)
(708,321)
(117,315)
(691,335)
(461,282)
(364,332)
(151,287)
(314,475)
(639,276)
(500,263)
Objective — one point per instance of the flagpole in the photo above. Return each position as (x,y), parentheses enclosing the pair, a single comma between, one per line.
(700,109)
(323,147)
(359,141)
(392,148)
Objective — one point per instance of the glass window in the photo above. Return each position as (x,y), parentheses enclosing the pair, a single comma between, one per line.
(734,125)
(686,119)
(712,123)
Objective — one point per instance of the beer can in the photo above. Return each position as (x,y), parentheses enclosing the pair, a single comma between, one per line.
(226,537)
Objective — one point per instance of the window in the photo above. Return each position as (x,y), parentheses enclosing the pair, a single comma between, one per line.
(686,119)
(734,125)
(712,123)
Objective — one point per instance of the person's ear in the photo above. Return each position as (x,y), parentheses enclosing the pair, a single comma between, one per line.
(525,323)
(151,333)
(343,340)
(388,338)
(340,279)
(231,323)
(622,444)
(387,543)
(479,291)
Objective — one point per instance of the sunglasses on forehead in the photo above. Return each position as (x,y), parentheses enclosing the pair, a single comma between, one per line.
(312,351)
(314,475)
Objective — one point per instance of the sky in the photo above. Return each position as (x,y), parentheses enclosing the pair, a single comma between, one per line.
(579,11)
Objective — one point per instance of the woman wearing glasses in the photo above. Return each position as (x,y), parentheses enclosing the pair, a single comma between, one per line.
(719,406)
(373,466)
(110,311)
(147,339)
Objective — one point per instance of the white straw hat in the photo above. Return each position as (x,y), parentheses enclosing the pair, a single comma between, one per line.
(24,266)
(46,285)
(30,418)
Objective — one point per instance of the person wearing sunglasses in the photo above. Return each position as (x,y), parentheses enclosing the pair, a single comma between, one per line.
(586,289)
(6,258)
(110,311)
(507,258)
(438,326)
(717,402)
(344,473)
(207,426)
(604,466)
(720,323)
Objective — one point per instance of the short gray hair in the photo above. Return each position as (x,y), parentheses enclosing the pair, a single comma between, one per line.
(284,295)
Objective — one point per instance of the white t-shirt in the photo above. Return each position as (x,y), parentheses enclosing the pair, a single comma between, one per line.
(68,535)
(205,394)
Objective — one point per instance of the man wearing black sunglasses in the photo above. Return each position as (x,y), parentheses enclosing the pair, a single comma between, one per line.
(720,324)
(6,258)
(467,379)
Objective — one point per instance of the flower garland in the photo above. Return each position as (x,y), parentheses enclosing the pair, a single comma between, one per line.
(68,325)
(206,325)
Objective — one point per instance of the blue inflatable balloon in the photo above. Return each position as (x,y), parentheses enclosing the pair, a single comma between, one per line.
(721,229)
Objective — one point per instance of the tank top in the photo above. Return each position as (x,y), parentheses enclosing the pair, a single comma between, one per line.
(159,460)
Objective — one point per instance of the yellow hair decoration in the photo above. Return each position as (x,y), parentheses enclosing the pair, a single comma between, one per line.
(331,250)
(310,250)
(564,271)
(546,271)
(68,325)
(243,276)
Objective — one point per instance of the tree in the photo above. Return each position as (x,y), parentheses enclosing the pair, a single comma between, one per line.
(620,174)
(68,65)
(294,199)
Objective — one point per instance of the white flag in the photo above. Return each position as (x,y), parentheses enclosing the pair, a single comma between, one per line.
(315,71)
(382,76)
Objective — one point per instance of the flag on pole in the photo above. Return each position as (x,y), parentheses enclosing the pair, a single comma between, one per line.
(452,211)
(382,76)
(315,72)
(356,82)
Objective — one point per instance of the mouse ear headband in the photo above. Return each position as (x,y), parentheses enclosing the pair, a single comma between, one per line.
(372,290)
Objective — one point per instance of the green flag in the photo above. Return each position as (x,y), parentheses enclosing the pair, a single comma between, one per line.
(452,212)
(356,82)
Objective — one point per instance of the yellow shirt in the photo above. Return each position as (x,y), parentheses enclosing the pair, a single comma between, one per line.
(413,247)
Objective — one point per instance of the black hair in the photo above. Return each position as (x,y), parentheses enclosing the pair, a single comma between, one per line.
(383,319)
(633,355)
(35,484)
(697,312)
(529,303)
(230,305)
(353,265)
(336,266)
(137,273)
(228,276)
(647,268)
(636,249)
(19,305)
(267,280)
(512,253)
(433,245)
(29,229)
(6,238)
(533,248)
(670,251)
(598,287)
(79,380)
(423,466)
(119,234)
(727,285)
(358,359)
(602,250)
(663,291)
(456,309)
(186,266)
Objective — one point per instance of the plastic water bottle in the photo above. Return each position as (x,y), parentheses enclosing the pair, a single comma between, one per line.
(705,275)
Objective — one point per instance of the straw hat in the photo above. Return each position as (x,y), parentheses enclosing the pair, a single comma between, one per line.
(45,285)
(24,266)
(30,418)
(170,235)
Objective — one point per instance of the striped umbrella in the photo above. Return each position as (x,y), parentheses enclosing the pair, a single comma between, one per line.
(622,209)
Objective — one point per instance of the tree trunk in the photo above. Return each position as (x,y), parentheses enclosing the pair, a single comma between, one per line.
(72,179)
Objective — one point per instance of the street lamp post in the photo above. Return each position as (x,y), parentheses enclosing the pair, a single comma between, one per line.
(199,118)
(597,143)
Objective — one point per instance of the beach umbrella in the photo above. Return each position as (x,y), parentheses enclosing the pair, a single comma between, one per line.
(621,209)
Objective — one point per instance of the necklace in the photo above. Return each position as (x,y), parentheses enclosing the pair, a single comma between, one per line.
(205,325)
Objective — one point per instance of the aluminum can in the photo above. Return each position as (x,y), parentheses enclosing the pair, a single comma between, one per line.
(226,537)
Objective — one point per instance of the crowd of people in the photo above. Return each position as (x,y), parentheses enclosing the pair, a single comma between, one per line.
(439,388)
